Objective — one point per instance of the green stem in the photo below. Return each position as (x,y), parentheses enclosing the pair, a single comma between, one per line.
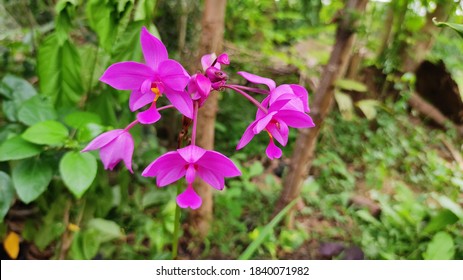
(176,227)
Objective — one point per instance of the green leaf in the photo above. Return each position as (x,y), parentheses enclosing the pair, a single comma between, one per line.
(18,148)
(10,109)
(345,105)
(102,19)
(58,66)
(46,133)
(353,85)
(441,247)
(457,27)
(78,171)
(368,107)
(78,119)
(447,203)
(441,220)
(127,47)
(108,230)
(36,110)
(65,11)
(16,88)
(247,254)
(31,178)
(6,194)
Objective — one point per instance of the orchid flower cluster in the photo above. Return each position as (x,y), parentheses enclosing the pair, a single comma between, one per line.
(283,106)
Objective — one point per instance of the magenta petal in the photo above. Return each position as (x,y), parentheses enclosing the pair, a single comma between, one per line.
(262,123)
(295,119)
(167,169)
(173,75)
(303,95)
(153,49)
(119,149)
(223,59)
(280,134)
(273,151)
(182,101)
(127,75)
(149,116)
(218,163)
(257,79)
(138,99)
(103,139)
(207,59)
(212,178)
(189,198)
(247,136)
(203,84)
(146,86)
(191,154)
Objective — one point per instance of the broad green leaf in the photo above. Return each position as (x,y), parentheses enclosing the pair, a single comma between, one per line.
(65,11)
(101,18)
(108,230)
(441,247)
(10,109)
(447,203)
(368,107)
(46,133)
(31,178)
(58,66)
(144,10)
(85,245)
(89,131)
(345,105)
(18,148)
(78,171)
(441,220)
(16,88)
(457,27)
(36,110)
(6,194)
(346,84)
(128,47)
(78,119)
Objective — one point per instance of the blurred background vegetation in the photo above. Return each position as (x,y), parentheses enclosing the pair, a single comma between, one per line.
(386,182)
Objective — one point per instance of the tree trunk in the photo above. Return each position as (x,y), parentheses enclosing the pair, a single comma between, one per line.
(303,154)
(211,41)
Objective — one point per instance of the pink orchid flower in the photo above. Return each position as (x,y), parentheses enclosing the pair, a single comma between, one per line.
(199,87)
(189,162)
(114,145)
(212,69)
(297,95)
(276,122)
(158,76)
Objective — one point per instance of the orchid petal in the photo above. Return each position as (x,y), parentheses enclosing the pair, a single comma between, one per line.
(218,163)
(295,119)
(258,79)
(149,116)
(138,99)
(103,139)
(215,180)
(207,59)
(273,151)
(280,134)
(120,149)
(153,49)
(303,95)
(173,75)
(168,168)
(262,123)
(223,59)
(247,136)
(182,101)
(191,154)
(189,198)
(127,75)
